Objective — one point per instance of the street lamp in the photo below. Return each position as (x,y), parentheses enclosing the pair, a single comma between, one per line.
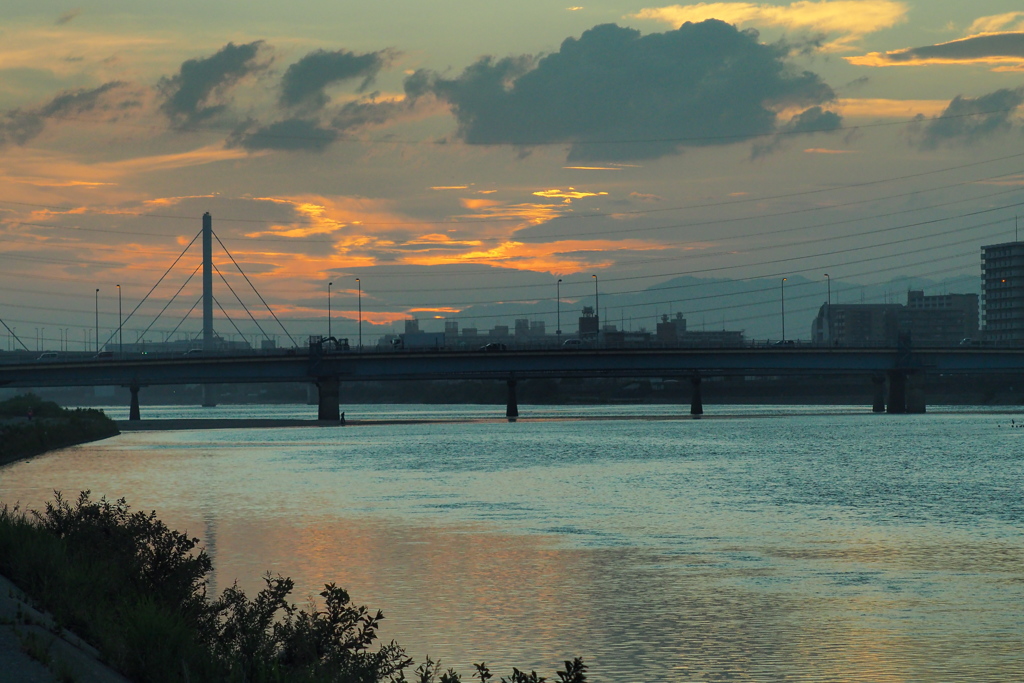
(558,308)
(359,303)
(597,307)
(97,320)
(828,309)
(120,323)
(783,309)
(329,309)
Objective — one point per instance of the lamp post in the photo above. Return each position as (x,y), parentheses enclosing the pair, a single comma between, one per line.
(558,308)
(97,320)
(329,309)
(120,323)
(783,309)
(359,304)
(828,309)
(597,309)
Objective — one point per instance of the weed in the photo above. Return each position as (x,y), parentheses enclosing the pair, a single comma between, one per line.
(35,647)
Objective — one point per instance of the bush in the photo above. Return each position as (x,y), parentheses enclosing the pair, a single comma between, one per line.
(137,591)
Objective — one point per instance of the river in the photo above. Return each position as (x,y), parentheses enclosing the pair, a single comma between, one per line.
(764,543)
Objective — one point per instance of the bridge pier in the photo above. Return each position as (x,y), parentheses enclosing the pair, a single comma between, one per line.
(133,412)
(897,403)
(915,393)
(696,404)
(209,396)
(512,406)
(879,404)
(329,398)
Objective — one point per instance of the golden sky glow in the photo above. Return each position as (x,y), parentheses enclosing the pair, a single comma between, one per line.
(849,19)
(104,181)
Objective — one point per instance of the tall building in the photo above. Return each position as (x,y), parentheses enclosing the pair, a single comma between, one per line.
(1002,292)
(942,318)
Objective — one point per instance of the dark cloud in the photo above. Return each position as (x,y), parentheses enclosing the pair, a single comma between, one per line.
(969,120)
(615,94)
(19,126)
(304,81)
(975,47)
(366,112)
(190,95)
(812,120)
(77,101)
(296,134)
(67,17)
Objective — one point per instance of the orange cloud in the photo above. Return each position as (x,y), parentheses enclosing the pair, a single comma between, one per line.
(1004,51)
(478,204)
(884,108)
(851,19)
(550,257)
(821,150)
(441,309)
(1010,21)
(568,195)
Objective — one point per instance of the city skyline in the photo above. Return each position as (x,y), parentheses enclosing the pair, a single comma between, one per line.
(869,139)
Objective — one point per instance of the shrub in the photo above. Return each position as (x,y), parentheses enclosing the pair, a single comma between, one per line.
(138,591)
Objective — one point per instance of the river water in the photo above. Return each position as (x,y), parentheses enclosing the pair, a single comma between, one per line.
(758,544)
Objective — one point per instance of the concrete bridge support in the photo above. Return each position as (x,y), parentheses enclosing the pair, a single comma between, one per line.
(696,404)
(134,414)
(916,402)
(209,396)
(879,403)
(512,406)
(329,398)
(897,403)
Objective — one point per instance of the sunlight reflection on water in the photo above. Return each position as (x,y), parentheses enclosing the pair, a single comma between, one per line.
(783,543)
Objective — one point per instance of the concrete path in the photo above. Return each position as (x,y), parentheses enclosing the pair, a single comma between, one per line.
(33,650)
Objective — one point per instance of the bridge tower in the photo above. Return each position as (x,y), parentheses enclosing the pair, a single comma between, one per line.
(207,282)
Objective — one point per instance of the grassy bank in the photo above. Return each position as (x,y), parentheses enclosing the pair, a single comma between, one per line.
(137,591)
(31,426)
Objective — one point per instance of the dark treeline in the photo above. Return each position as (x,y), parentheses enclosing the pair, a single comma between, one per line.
(137,591)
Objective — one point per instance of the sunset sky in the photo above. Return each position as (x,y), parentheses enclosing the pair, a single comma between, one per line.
(459,157)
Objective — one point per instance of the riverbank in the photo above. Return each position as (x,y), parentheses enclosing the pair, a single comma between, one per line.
(30,426)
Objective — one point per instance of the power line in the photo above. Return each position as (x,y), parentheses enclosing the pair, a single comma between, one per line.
(715,204)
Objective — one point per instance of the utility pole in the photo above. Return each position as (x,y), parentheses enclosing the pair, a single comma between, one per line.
(97,320)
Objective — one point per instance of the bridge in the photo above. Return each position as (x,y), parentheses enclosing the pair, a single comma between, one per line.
(893,370)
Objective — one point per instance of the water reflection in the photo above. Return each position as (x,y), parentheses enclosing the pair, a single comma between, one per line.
(839,547)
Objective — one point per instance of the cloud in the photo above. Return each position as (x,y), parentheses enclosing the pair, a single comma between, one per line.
(304,81)
(812,120)
(1011,21)
(851,19)
(308,133)
(613,94)
(970,120)
(19,126)
(297,134)
(67,17)
(990,48)
(198,90)
(886,108)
